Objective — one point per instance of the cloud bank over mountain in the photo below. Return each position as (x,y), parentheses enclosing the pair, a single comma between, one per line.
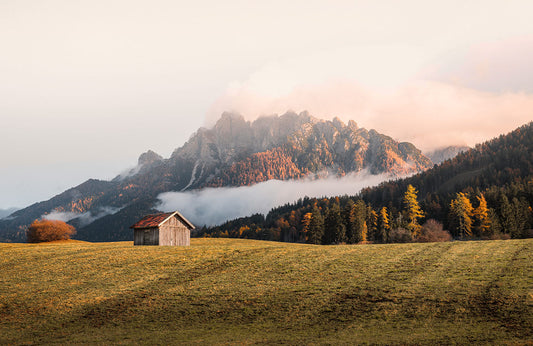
(214,206)
(428,98)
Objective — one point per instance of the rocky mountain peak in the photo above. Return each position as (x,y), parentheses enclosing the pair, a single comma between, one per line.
(148,158)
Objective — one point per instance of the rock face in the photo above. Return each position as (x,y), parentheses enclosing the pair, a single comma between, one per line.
(234,152)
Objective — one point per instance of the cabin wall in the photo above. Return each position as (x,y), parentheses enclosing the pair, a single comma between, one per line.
(148,236)
(174,233)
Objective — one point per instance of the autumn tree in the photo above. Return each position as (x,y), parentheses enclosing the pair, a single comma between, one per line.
(306,221)
(481,217)
(383,226)
(360,229)
(461,211)
(49,230)
(413,212)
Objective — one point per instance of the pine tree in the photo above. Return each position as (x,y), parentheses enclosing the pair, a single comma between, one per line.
(481,216)
(372,223)
(461,215)
(316,227)
(521,211)
(495,225)
(413,212)
(334,229)
(507,216)
(349,220)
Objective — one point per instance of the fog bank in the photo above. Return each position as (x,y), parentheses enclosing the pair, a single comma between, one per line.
(213,206)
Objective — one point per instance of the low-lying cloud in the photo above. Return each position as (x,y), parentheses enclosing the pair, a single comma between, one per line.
(84,218)
(213,206)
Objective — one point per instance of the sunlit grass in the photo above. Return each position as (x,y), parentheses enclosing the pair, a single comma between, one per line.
(242,291)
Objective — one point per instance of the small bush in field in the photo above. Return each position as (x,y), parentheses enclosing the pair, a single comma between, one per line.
(400,235)
(432,231)
(49,230)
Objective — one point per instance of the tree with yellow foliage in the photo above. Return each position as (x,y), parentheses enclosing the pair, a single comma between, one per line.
(383,226)
(413,212)
(481,217)
(461,212)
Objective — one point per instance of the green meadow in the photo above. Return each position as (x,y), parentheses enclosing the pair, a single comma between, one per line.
(234,291)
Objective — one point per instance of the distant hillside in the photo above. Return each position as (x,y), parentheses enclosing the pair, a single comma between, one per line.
(6,212)
(500,169)
(443,154)
(234,152)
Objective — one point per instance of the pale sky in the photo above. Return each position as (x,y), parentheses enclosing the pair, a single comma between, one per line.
(87,86)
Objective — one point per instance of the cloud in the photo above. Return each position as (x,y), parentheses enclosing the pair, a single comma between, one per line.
(84,218)
(214,206)
(419,96)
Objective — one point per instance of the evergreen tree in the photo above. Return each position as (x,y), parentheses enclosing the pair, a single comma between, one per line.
(481,216)
(507,216)
(413,212)
(360,226)
(316,227)
(372,223)
(334,229)
(461,215)
(521,212)
(495,225)
(349,220)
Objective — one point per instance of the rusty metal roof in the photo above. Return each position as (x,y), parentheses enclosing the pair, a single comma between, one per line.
(155,220)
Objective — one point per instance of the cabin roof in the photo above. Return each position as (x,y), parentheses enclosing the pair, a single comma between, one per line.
(156,220)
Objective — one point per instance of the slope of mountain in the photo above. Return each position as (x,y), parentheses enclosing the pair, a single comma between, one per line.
(234,152)
(443,154)
(6,212)
(501,169)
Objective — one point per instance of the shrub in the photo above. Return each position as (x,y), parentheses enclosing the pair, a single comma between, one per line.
(500,236)
(432,231)
(49,230)
(400,235)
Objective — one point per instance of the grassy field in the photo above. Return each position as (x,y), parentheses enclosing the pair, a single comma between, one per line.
(227,291)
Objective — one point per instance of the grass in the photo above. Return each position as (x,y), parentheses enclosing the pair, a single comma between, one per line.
(229,291)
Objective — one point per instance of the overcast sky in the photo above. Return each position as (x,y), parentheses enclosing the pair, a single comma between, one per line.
(87,86)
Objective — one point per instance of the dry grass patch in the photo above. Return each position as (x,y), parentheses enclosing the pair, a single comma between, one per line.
(221,291)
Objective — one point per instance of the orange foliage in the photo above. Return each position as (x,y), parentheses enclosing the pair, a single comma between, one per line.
(272,164)
(49,230)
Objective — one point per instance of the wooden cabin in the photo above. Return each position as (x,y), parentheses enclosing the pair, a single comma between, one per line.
(163,229)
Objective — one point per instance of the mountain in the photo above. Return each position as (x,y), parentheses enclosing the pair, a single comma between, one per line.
(443,154)
(234,152)
(501,169)
(6,212)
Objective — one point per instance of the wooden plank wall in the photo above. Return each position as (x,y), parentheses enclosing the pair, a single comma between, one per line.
(148,236)
(174,233)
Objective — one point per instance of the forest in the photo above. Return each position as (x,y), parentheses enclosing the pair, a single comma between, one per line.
(483,193)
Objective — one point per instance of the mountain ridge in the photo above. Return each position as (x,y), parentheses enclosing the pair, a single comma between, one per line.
(234,152)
